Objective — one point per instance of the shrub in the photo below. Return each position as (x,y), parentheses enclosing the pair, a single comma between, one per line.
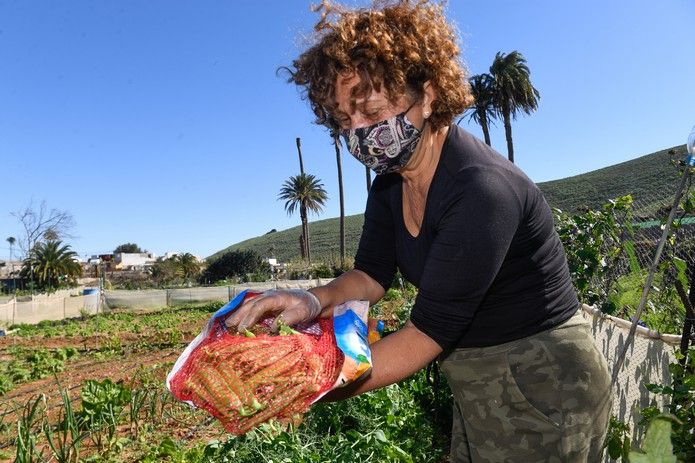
(594,243)
(262,274)
(322,271)
(233,264)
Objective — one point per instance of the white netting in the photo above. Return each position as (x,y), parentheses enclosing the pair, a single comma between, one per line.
(154,298)
(647,362)
(48,308)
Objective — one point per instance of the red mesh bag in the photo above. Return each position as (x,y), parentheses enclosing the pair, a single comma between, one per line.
(244,381)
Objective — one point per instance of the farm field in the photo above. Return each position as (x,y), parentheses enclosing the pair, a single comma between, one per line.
(93,390)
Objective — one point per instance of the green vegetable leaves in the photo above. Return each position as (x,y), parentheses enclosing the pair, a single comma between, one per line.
(657,443)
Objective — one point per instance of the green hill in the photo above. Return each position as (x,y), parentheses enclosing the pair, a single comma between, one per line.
(647,178)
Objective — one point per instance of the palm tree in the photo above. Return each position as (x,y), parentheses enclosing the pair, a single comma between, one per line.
(303,191)
(483,111)
(188,266)
(52,262)
(336,145)
(513,91)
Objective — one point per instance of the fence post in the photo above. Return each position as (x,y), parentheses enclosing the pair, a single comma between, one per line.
(167,297)
(64,316)
(229,293)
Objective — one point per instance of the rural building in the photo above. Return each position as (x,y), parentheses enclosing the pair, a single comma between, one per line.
(133,261)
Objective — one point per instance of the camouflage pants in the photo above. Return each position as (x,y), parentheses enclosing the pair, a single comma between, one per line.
(545,398)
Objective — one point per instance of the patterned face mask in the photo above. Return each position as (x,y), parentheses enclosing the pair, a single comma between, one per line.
(386,146)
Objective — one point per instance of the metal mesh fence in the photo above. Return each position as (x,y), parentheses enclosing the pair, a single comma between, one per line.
(641,229)
(627,257)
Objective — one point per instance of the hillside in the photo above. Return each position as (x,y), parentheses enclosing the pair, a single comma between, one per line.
(647,178)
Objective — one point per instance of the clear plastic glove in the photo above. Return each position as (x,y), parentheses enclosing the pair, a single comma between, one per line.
(290,305)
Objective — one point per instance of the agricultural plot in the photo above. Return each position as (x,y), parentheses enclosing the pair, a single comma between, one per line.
(93,390)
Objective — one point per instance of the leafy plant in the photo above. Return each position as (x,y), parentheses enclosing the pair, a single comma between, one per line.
(681,397)
(657,443)
(6,384)
(618,440)
(44,363)
(102,406)
(594,243)
(168,450)
(18,372)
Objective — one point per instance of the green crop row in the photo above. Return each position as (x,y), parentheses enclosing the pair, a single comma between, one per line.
(32,364)
(408,422)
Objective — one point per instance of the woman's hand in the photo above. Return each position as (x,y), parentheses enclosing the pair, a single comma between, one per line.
(290,305)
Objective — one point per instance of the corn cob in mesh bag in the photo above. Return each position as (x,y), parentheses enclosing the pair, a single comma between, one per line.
(245,380)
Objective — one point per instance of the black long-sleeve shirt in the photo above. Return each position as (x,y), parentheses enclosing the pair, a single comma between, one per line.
(488,263)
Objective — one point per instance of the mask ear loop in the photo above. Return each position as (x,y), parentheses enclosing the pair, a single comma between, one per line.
(425,115)
(409,107)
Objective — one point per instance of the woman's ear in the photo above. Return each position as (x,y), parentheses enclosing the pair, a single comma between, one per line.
(428,97)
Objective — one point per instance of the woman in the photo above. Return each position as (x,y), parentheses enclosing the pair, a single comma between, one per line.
(495,302)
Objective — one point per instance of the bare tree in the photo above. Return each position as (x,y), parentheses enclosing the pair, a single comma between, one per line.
(42,223)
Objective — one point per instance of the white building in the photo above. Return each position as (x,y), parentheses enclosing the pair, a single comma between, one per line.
(9,266)
(135,260)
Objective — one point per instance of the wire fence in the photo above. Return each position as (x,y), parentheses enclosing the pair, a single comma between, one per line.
(627,254)
(66,304)
(641,227)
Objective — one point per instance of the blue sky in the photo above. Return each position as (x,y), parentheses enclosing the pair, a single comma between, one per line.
(164,123)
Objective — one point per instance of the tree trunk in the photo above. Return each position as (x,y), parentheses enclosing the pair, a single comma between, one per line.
(508,133)
(336,144)
(305,232)
(299,151)
(486,129)
(369,178)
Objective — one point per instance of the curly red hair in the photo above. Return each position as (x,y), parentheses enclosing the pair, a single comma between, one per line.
(400,45)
